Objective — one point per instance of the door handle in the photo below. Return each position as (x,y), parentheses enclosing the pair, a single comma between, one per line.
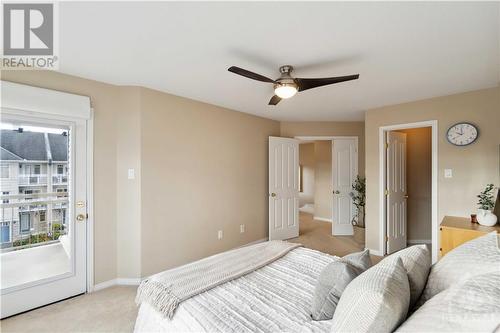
(273,194)
(406,197)
(80,217)
(336,192)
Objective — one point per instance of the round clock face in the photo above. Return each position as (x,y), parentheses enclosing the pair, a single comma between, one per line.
(462,134)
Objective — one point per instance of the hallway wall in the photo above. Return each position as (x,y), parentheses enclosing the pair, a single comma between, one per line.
(306,161)
(323,199)
(419,182)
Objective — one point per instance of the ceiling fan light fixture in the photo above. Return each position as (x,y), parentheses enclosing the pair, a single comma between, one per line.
(285,90)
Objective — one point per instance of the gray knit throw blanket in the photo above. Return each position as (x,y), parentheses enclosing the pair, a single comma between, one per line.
(166,290)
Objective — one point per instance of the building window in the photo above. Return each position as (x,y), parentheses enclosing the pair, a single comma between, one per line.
(5,232)
(4,171)
(60,169)
(37,169)
(27,194)
(43,216)
(301,185)
(25,224)
(5,200)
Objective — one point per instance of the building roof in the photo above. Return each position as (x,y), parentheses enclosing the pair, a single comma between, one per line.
(58,147)
(6,155)
(31,146)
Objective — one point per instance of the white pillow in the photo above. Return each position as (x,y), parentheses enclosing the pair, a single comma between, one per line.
(469,306)
(475,257)
(417,262)
(375,301)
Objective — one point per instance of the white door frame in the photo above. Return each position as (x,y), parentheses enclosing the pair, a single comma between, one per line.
(332,138)
(382,181)
(90,202)
(53,104)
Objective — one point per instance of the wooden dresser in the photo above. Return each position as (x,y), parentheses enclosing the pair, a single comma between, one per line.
(458,230)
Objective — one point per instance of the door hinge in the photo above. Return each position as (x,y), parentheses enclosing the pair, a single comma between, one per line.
(386,238)
(387,145)
(386,192)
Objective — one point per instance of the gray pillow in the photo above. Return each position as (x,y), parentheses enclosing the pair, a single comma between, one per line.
(375,301)
(332,281)
(417,262)
(360,260)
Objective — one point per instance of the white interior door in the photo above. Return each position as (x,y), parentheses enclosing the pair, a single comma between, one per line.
(396,191)
(46,261)
(345,170)
(283,188)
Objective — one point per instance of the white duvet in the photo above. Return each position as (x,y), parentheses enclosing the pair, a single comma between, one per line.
(276,298)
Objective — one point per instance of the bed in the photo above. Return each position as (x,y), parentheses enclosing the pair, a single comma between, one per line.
(274,298)
(457,294)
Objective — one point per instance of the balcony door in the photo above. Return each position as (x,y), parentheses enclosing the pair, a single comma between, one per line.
(43,212)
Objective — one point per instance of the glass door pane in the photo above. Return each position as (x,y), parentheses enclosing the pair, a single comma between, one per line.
(35,243)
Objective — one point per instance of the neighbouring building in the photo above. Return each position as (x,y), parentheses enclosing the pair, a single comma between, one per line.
(33,186)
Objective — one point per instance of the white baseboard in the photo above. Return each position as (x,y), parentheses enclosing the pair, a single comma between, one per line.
(324,219)
(254,242)
(419,241)
(117,282)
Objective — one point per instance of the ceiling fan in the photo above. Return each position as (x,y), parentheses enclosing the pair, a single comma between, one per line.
(287,86)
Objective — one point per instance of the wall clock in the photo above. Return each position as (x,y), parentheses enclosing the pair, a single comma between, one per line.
(462,134)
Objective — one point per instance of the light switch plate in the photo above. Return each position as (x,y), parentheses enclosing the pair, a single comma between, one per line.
(131,174)
(242,228)
(448,173)
(220,234)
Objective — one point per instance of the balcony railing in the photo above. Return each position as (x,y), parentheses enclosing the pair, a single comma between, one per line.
(59,179)
(32,179)
(22,222)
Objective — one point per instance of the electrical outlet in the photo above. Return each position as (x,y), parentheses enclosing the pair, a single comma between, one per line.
(220,234)
(242,228)
(448,173)
(131,174)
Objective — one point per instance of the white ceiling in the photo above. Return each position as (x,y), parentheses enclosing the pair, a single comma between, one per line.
(402,51)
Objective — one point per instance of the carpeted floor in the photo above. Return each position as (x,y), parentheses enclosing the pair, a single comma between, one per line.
(114,310)
(109,310)
(317,235)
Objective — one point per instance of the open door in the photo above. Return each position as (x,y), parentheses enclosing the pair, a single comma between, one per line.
(396,192)
(345,170)
(283,188)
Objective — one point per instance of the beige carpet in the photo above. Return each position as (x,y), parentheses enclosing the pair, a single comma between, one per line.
(114,310)
(317,235)
(109,310)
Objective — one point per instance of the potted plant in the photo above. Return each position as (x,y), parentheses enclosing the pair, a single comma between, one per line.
(486,204)
(359,201)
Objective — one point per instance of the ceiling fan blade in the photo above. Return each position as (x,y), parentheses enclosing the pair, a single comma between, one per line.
(274,100)
(250,75)
(305,84)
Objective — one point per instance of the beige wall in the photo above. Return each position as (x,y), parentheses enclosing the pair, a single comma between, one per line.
(128,191)
(323,198)
(329,128)
(199,168)
(204,168)
(306,161)
(473,166)
(419,182)
(105,100)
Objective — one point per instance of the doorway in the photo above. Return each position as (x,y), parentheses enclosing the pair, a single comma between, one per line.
(408,204)
(325,169)
(45,197)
